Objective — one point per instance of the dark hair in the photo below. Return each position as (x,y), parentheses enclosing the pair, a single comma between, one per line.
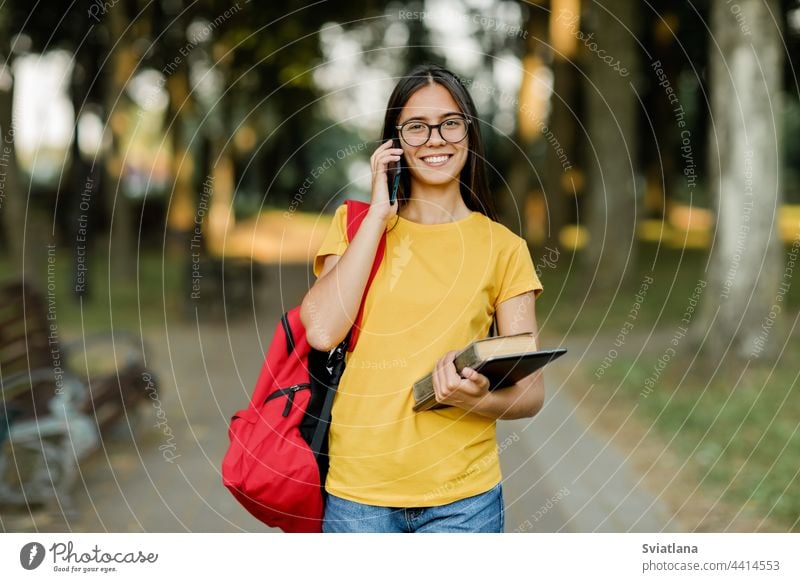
(474,184)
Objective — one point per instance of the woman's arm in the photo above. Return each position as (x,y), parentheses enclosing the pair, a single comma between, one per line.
(471,392)
(330,307)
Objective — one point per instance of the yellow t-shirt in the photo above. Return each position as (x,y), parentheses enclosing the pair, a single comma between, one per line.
(436,290)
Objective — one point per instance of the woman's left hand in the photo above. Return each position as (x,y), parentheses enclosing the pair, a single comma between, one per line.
(451,388)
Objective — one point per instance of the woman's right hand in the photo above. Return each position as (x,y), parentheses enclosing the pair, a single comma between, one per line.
(379,162)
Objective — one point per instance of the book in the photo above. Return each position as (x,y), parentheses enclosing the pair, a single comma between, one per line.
(504,360)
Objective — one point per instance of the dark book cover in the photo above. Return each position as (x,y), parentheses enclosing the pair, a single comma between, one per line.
(501,370)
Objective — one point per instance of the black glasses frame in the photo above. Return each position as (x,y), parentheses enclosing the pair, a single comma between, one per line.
(430,127)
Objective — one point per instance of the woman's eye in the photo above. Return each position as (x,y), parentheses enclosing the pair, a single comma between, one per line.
(450,123)
(415,127)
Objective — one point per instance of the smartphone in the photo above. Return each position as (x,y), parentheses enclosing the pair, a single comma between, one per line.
(395,169)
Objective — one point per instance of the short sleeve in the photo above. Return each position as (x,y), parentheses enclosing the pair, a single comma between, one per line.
(519,274)
(335,241)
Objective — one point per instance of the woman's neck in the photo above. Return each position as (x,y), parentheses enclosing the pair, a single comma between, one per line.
(435,205)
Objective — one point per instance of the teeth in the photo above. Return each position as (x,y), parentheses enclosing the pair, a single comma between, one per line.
(436,159)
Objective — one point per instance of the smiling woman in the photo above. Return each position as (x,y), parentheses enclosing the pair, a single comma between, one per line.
(432,113)
(450,268)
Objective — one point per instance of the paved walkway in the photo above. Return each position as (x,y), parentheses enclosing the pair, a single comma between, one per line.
(558,476)
(562,477)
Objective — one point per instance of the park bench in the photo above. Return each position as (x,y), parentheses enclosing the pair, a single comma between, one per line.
(51,414)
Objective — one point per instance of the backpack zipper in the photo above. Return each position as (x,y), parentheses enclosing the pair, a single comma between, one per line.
(290,392)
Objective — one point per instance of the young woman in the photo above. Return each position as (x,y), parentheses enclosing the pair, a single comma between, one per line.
(449,268)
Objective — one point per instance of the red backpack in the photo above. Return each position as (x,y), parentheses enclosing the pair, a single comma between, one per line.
(277,459)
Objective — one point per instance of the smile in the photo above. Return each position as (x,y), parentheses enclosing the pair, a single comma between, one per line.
(437,160)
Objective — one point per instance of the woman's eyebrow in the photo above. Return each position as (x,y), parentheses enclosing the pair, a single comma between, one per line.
(442,116)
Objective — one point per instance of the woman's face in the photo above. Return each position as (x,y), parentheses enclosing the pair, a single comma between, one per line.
(437,161)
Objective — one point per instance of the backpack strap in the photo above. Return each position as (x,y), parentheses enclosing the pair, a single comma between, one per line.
(356,212)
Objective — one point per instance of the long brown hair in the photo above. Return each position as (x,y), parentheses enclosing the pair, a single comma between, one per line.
(474,183)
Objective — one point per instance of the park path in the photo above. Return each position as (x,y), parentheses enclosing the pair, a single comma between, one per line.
(558,476)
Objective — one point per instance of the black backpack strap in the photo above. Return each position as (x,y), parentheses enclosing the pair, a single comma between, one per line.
(288,331)
(335,367)
(356,211)
(324,422)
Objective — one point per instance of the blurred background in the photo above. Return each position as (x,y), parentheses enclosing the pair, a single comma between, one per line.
(168,170)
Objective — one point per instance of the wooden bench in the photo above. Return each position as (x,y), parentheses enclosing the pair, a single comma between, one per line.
(52,415)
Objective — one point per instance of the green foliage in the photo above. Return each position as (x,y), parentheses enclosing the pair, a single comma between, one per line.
(674,273)
(740,430)
(157,293)
(791,128)
(742,434)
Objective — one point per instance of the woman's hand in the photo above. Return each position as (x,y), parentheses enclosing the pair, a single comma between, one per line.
(379,162)
(462,391)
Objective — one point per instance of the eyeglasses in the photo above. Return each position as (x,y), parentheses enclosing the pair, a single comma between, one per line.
(416,133)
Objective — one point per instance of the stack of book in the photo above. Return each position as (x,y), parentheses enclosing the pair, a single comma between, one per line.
(504,360)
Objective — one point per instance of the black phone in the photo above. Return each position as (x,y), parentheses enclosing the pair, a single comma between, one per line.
(395,169)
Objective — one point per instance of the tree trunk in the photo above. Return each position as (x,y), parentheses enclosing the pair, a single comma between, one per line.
(12,199)
(81,205)
(560,146)
(122,63)
(221,219)
(664,173)
(23,223)
(182,206)
(24,248)
(530,111)
(743,299)
(611,56)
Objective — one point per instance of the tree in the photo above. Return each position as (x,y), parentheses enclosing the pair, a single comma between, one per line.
(611,63)
(522,178)
(562,154)
(12,203)
(23,223)
(746,64)
(121,67)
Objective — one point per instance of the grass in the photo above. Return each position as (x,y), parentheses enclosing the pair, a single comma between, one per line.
(674,274)
(739,430)
(113,302)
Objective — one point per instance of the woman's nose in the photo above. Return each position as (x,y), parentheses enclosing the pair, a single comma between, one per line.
(436,136)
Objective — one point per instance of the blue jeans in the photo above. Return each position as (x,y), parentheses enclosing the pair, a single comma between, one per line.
(480,513)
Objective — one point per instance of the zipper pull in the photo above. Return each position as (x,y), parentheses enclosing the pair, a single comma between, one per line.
(289,401)
(292,390)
